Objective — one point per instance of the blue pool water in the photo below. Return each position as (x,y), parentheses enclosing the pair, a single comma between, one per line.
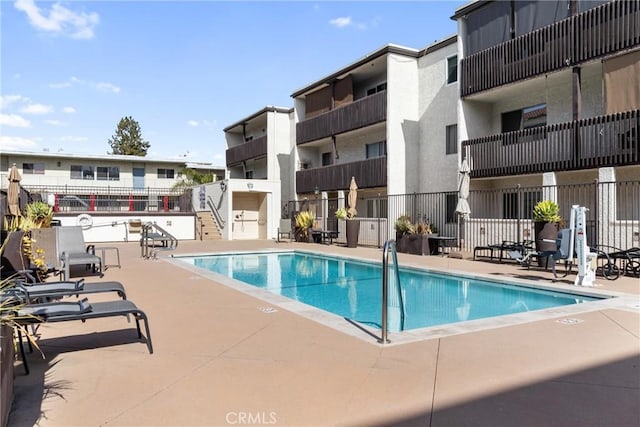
(352,289)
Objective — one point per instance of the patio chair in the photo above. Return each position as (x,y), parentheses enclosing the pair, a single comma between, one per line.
(81,310)
(621,261)
(501,251)
(74,251)
(51,290)
(561,253)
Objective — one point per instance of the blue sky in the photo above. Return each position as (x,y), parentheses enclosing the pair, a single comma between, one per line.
(70,70)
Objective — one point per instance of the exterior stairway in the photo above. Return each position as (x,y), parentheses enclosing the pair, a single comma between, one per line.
(209,227)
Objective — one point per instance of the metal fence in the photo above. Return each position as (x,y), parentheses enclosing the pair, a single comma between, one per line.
(112,199)
(613,216)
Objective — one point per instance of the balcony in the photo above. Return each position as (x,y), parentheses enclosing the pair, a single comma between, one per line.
(369,173)
(247,151)
(595,33)
(596,142)
(363,112)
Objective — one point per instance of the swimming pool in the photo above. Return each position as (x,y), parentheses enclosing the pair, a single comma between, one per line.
(352,289)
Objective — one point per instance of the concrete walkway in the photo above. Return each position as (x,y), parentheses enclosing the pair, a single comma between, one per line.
(221,359)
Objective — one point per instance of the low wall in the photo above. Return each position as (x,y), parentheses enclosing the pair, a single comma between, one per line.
(116,228)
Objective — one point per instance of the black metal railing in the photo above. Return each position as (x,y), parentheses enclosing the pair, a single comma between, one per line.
(603,30)
(371,173)
(611,140)
(247,151)
(613,216)
(363,112)
(112,199)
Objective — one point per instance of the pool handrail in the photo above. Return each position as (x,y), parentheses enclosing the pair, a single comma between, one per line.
(389,246)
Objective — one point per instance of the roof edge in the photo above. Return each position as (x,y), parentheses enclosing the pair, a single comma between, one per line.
(384,50)
(267,109)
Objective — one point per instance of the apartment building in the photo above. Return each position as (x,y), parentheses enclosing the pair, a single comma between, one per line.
(258,158)
(384,120)
(550,96)
(89,170)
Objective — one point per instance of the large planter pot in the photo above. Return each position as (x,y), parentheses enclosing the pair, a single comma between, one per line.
(545,231)
(6,372)
(13,257)
(414,244)
(353,232)
(302,236)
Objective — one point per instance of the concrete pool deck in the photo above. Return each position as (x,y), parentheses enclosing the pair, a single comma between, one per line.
(221,358)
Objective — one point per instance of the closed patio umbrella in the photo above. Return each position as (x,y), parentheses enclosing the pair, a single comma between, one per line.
(463,208)
(352,198)
(13,192)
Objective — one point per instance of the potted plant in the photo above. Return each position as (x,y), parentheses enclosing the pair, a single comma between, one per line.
(352,226)
(546,222)
(412,238)
(304,223)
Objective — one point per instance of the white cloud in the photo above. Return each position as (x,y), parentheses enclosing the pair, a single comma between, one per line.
(60,20)
(193,123)
(56,122)
(107,87)
(102,86)
(7,100)
(37,109)
(69,110)
(346,21)
(341,22)
(14,120)
(16,143)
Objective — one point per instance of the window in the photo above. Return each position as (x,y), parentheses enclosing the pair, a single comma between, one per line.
(376,208)
(82,172)
(452,204)
(326,159)
(512,208)
(248,174)
(377,149)
(527,118)
(33,168)
(452,139)
(166,173)
(379,88)
(452,69)
(108,173)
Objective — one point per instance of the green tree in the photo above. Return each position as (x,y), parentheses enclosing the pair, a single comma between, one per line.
(128,139)
(191,177)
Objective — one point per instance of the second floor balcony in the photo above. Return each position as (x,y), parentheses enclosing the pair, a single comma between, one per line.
(603,141)
(363,112)
(604,30)
(247,151)
(369,173)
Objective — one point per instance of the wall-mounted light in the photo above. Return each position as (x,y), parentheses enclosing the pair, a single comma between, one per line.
(223,186)
(316,190)
(250,185)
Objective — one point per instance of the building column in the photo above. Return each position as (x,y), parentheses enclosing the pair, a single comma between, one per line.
(550,189)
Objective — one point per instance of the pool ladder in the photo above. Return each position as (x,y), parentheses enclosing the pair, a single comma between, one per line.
(396,297)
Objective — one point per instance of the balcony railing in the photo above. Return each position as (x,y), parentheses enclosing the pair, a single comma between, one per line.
(611,140)
(369,173)
(603,30)
(363,112)
(247,151)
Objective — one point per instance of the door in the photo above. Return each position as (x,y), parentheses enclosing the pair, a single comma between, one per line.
(138,178)
(246,212)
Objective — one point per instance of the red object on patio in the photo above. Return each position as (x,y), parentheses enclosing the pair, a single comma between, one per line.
(92,202)
(130,202)
(165,202)
(56,206)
